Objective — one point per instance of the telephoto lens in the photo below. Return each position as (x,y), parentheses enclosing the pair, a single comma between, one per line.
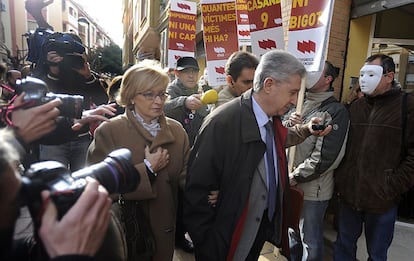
(115,172)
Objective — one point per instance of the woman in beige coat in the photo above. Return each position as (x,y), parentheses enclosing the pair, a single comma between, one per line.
(160,150)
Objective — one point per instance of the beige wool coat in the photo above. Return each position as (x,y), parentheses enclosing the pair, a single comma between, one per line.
(159,199)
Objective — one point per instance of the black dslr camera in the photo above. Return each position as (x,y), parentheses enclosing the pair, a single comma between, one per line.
(116,173)
(36,93)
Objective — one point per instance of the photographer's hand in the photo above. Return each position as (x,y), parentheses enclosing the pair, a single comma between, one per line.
(95,115)
(54,59)
(82,229)
(33,123)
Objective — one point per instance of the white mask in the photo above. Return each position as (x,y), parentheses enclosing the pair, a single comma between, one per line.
(369,78)
(312,78)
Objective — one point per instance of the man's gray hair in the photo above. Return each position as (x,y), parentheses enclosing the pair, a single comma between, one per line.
(279,65)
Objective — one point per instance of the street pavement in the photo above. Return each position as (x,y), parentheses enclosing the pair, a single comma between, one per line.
(402,247)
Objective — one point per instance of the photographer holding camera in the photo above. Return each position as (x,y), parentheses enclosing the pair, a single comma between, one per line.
(72,226)
(64,68)
(69,117)
(31,124)
(78,235)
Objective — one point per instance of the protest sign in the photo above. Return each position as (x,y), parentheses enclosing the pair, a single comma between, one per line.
(266,30)
(220,36)
(309,29)
(181,30)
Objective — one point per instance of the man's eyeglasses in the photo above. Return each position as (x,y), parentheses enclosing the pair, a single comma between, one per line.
(150,96)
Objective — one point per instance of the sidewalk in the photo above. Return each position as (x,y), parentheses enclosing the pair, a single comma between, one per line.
(267,255)
(402,247)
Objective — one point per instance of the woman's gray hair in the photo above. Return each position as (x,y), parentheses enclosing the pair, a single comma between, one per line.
(279,65)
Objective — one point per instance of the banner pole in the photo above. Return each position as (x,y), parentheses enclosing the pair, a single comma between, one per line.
(299,105)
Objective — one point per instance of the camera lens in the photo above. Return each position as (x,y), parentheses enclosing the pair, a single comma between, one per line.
(72,105)
(116,173)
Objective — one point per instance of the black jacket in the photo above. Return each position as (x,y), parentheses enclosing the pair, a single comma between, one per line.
(374,173)
(225,157)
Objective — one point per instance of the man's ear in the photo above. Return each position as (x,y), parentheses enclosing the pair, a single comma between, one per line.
(329,79)
(390,77)
(229,80)
(267,84)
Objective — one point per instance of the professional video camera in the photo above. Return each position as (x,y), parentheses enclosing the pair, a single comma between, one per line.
(36,93)
(44,40)
(67,46)
(116,173)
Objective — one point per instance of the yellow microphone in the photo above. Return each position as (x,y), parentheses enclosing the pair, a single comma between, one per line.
(209,97)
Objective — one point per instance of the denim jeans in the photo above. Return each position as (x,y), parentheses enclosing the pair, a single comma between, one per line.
(72,154)
(311,228)
(379,232)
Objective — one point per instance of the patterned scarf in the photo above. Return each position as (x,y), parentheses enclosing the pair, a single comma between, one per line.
(153,127)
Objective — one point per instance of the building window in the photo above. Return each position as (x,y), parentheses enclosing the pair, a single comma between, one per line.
(136,16)
(31,25)
(72,12)
(93,40)
(82,29)
(144,10)
(163,5)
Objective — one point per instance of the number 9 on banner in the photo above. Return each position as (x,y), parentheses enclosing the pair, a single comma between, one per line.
(265,19)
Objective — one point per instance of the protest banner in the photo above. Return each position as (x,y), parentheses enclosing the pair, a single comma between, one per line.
(220,36)
(309,28)
(266,30)
(181,30)
(243,26)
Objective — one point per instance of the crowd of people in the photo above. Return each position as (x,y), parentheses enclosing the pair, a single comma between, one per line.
(214,178)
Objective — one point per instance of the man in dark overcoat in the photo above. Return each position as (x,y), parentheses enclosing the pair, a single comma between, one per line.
(229,155)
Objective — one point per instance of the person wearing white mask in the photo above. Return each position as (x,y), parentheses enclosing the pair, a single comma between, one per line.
(378,165)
